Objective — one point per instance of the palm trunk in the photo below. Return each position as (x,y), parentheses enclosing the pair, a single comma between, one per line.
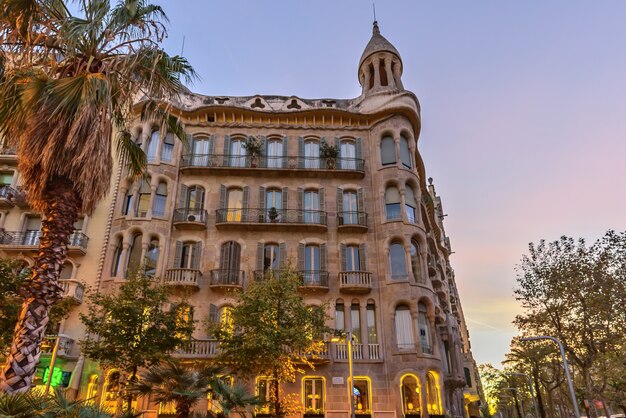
(42,291)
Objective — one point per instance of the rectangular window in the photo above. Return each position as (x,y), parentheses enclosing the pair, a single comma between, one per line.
(6,178)
(311,207)
(263,388)
(350,209)
(167,150)
(275,154)
(361,396)
(311,154)
(404,329)
(313,396)
(424,330)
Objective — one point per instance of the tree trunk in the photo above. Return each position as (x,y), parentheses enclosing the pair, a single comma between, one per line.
(42,290)
(278,413)
(182,409)
(519,411)
(542,410)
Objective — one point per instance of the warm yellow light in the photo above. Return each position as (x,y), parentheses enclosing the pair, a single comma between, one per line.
(410,406)
(359,406)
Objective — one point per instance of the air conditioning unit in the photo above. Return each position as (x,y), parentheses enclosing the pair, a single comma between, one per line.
(191,218)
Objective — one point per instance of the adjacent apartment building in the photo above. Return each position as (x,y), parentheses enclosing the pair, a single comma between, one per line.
(363,228)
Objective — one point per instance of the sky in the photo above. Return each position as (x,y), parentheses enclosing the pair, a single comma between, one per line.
(523,112)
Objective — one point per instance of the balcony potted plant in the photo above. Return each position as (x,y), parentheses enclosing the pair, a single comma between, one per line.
(313,413)
(273,214)
(253,148)
(330,154)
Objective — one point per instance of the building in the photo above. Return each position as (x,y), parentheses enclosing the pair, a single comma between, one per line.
(364,229)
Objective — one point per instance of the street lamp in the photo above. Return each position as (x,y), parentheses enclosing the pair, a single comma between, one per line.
(565,366)
(349,343)
(530,386)
(521,404)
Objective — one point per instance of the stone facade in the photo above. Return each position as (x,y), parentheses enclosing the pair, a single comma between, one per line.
(364,229)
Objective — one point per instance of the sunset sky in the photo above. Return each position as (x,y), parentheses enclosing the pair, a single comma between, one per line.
(523,112)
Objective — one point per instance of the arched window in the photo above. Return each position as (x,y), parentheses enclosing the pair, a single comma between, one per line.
(405,153)
(348,155)
(416,265)
(134,254)
(372,333)
(188,255)
(152,257)
(424,329)
(201,152)
(195,198)
(388,151)
(397,261)
(410,395)
(117,258)
(355,322)
(273,199)
(153,146)
(432,395)
(340,316)
(392,203)
(235,205)
(143,203)
(312,264)
(312,207)
(311,154)
(92,389)
(160,200)
(237,153)
(167,148)
(111,391)
(129,201)
(404,328)
(271,258)
(230,259)
(66,271)
(275,153)
(410,204)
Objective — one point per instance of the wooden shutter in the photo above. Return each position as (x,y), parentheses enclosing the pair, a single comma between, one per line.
(322,197)
(182,196)
(300,204)
(260,256)
(362,259)
(226,151)
(285,152)
(235,256)
(285,197)
(263,152)
(211,147)
(344,258)
(178,254)
(282,254)
(360,205)
(244,204)
(323,257)
(213,314)
(200,198)
(196,255)
(224,255)
(338,145)
(262,198)
(301,257)
(359,150)
(300,152)
(223,192)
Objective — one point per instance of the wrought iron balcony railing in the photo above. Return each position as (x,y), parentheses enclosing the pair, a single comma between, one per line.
(227,277)
(268,216)
(351,218)
(7,192)
(31,239)
(272,163)
(313,278)
(190,215)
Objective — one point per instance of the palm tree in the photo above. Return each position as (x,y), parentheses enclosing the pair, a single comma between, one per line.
(40,404)
(171,381)
(67,84)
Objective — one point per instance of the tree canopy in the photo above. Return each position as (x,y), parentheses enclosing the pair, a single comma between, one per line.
(272,332)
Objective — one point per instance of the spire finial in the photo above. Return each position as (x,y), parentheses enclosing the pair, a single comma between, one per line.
(375,30)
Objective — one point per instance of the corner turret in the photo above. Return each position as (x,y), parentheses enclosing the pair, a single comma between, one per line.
(380,67)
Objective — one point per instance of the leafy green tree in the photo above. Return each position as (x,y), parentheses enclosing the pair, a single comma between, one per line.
(577,294)
(272,333)
(130,329)
(66,84)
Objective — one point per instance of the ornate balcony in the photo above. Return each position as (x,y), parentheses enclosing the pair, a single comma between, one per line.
(7,197)
(321,357)
(29,240)
(73,289)
(7,155)
(352,221)
(78,243)
(355,281)
(186,218)
(198,349)
(227,279)
(359,351)
(183,277)
(313,280)
(277,166)
(278,219)
(66,344)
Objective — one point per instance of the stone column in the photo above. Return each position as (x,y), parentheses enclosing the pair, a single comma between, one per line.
(390,79)
(376,74)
